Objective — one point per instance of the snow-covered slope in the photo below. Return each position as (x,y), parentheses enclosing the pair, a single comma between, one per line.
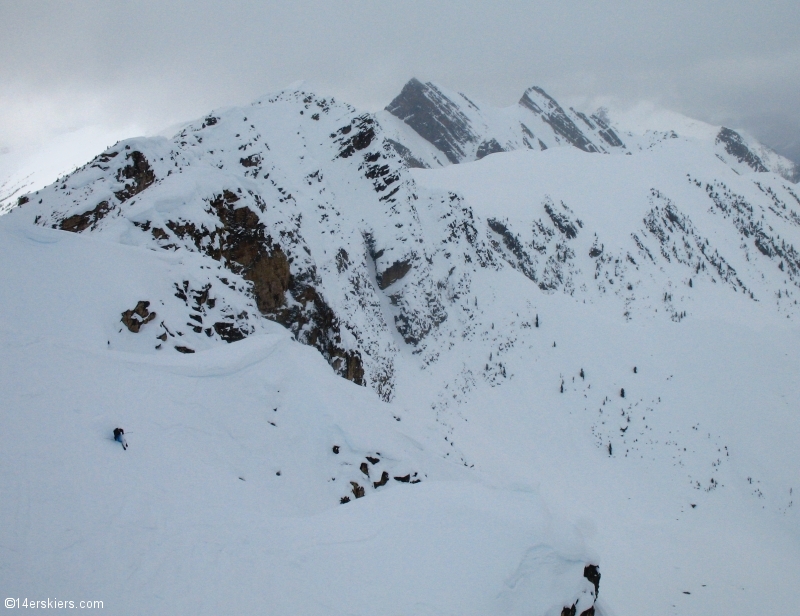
(567,358)
(227,498)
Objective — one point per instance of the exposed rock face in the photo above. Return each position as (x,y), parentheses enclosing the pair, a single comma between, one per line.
(243,246)
(736,147)
(541,103)
(325,232)
(681,242)
(137,175)
(254,160)
(465,131)
(318,225)
(544,252)
(515,246)
(246,249)
(353,367)
(383,481)
(139,316)
(607,133)
(242,243)
(229,332)
(393,273)
(490,146)
(561,221)
(88,220)
(358,491)
(138,172)
(591,573)
(356,136)
(435,117)
(228,227)
(747,222)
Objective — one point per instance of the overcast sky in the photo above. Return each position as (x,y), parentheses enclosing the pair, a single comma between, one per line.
(137,66)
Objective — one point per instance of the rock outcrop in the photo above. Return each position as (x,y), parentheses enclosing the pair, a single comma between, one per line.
(736,147)
(139,316)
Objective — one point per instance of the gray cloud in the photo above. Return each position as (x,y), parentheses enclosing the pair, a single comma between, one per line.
(150,63)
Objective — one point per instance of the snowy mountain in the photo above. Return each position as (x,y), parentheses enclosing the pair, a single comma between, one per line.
(460,131)
(567,346)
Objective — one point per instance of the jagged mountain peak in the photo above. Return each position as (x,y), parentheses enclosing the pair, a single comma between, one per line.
(537,100)
(736,147)
(436,117)
(463,130)
(542,104)
(455,129)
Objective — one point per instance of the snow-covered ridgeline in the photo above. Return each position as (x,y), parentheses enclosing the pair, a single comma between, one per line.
(502,305)
(306,213)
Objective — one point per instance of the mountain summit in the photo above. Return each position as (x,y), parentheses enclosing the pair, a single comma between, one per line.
(463,131)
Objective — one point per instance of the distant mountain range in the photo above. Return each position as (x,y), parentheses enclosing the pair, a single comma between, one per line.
(462,131)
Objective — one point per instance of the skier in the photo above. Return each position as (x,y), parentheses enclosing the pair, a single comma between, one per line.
(119,436)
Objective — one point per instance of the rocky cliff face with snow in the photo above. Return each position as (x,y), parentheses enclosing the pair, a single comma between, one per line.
(463,131)
(416,250)
(305,213)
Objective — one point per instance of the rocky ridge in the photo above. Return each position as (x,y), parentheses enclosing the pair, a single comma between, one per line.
(463,131)
(305,213)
